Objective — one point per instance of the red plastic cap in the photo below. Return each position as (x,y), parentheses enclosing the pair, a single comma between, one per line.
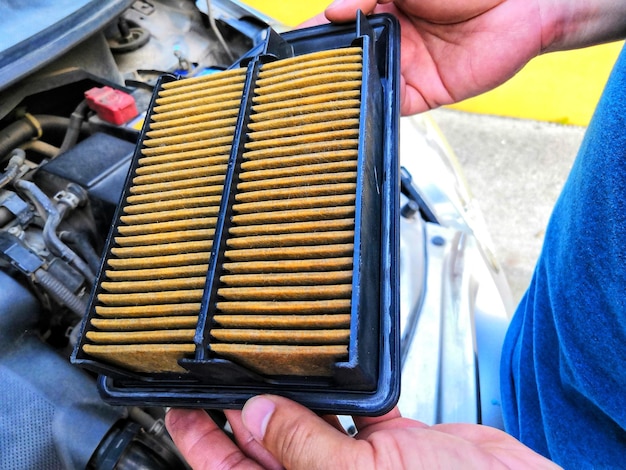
(111,105)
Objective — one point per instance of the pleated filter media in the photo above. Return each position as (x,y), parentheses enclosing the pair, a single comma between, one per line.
(239,258)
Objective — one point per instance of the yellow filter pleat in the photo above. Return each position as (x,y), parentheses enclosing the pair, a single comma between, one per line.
(296,203)
(170,216)
(199,117)
(351,62)
(295,227)
(282,321)
(161,249)
(307,307)
(317,58)
(297,93)
(302,191)
(290,252)
(204,81)
(312,111)
(181,165)
(231,85)
(303,149)
(286,293)
(145,323)
(331,79)
(173,226)
(158,273)
(183,193)
(211,134)
(158,285)
(193,182)
(256,336)
(214,109)
(314,74)
(292,239)
(138,337)
(305,101)
(150,295)
(303,119)
(129,312)
(166,237)
(289,360)
(193,103)
(285,290)
(189,128)
(288,266)
(149,298)
(159,261)
(179,145)
(300,180)
(287,279)
(275,217)
(146,358)
(283,304)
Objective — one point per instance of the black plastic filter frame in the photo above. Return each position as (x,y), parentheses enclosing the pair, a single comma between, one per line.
(368,383)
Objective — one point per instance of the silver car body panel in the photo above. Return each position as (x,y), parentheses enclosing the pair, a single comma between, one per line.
(455,303)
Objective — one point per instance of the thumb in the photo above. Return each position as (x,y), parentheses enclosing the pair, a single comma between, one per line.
(297,437)
(345,10)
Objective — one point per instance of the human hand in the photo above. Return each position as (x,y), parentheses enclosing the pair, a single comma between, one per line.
(274,432)
(457,49)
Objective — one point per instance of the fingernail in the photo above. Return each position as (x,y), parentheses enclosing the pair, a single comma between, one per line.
(256,414)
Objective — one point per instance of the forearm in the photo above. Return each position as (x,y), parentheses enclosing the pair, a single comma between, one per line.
(570,24)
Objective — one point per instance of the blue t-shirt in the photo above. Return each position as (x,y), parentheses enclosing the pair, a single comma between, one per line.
(564,358)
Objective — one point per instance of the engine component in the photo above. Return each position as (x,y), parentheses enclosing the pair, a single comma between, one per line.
(40,390)
(111,105)
(128,446)
(212,212)
(13,168)
(30,127)
(99,164)
(53,215)
(130,38)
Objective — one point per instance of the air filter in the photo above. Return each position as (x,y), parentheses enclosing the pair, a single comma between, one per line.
(255,246)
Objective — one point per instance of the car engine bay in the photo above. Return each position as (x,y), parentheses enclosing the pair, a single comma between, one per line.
(64,167)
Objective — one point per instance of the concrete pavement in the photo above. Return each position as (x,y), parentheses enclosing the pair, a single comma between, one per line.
(516,169)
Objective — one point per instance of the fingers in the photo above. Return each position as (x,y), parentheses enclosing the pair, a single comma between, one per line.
(345,10)
(299,438)
(449,12)
(333,420)
(248,444)
(500,445)
(318,19)
(367,426)
(202,443)
(362,422)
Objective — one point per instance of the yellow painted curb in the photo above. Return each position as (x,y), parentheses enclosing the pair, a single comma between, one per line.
(289,13)
(561,87)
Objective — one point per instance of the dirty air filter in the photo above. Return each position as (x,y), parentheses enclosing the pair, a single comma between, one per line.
(255,247)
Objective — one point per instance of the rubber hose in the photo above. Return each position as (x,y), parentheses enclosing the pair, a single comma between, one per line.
(13,168)
(53,217)
(84,248)
(44,148)
(73,130)
(60,293)
(21,131)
